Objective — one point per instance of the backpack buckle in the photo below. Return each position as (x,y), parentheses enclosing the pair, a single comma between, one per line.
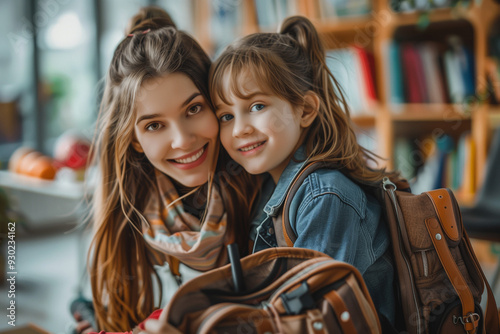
(471,318)
(298,300)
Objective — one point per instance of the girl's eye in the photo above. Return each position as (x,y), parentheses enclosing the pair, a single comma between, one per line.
(257,107)
(226,118)
(194,109)
(154,126)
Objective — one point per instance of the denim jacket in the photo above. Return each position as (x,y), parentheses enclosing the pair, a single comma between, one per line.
(331,214)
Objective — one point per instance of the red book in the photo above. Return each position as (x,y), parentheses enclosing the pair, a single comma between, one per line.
(367,73)
(413,75)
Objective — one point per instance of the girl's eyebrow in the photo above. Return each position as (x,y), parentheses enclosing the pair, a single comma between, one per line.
(185,103)
(245,97)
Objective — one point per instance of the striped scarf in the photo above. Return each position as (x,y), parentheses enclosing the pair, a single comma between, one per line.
(183,237)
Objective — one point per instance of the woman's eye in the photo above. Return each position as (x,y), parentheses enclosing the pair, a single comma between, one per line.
(194,109)
(153,126)
(226,118)
(257,107)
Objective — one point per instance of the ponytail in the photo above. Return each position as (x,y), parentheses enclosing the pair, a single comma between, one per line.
(303,31)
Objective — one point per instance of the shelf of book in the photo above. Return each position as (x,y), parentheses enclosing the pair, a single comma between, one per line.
(340,25)
(428,112)
(432,16)
(364,121)
(375,52)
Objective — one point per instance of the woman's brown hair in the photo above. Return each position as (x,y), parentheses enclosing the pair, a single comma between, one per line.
(290,64)
(121,263)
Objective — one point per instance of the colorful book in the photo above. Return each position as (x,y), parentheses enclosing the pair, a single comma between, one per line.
(365,68)
(414,79)
(429,56)
(454,77)
(394,74)
(343,65)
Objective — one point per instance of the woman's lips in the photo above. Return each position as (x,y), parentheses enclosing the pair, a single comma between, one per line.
(191,160)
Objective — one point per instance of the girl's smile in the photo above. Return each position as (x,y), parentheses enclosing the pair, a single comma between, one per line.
(252,148)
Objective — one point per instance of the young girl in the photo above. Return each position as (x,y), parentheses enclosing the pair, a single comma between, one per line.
(158,198)
(277,109)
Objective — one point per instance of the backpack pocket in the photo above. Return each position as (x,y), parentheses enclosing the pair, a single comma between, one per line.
(446,318)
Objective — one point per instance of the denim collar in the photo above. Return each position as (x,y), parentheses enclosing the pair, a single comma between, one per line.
(285,181)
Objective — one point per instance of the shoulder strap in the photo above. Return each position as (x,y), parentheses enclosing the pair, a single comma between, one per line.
(287,231)
(284,232)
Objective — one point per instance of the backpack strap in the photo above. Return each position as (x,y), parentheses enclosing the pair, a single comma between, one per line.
(440,198)
(492,317)
(285,236)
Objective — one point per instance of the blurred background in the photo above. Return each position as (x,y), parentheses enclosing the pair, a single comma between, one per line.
(421,78)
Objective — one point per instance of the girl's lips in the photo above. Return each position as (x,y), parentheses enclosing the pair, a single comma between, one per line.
(254,148)
(192,164)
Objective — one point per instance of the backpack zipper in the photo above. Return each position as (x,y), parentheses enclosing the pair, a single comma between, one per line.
(425,263)
(390,188)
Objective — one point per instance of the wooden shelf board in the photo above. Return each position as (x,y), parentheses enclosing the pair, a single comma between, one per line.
(494,116)
(364,121)
(336,25)
(435,15)
(428,112)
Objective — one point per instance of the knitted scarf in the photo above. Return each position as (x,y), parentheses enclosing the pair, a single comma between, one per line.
(183,237)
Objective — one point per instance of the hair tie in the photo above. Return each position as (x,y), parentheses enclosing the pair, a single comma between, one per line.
(143,32)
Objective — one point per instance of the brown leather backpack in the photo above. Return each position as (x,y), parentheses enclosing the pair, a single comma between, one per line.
(440,281)
(282,290)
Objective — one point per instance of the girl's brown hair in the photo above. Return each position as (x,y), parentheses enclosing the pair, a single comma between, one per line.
(291,63)
(121,263)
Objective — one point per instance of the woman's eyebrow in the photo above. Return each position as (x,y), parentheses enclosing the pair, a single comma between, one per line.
(185,103)
(144,117)
(190,98)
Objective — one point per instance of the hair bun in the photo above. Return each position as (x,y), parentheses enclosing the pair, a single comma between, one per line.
(301,29)
(149,18)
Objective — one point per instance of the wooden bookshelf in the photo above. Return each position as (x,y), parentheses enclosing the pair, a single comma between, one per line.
(377,29)
(364,121)
(428,112)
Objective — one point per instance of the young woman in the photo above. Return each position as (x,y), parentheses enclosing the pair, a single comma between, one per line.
(277,108)
(165,194)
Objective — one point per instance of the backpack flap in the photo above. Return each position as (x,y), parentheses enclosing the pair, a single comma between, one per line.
(263,273)
(287,290)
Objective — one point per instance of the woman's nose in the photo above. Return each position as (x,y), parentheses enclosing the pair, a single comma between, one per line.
(182,137)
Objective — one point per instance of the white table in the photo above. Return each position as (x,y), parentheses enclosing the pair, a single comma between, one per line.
(44,203)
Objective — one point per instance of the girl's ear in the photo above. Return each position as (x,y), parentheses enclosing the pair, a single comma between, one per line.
(136,145)
(310,109)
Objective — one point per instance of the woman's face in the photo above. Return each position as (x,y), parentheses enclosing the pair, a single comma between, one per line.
(176,129)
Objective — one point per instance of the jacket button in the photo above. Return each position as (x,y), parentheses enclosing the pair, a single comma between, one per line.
(271,230)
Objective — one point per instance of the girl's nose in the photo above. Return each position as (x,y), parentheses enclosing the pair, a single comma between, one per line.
(182,138)
(242,127)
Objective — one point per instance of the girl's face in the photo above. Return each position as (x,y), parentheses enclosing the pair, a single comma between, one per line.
(260,131)
(176,129)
